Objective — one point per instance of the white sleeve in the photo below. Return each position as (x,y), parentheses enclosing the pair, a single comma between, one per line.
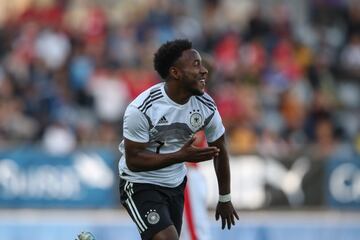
(136,126)
(215,129)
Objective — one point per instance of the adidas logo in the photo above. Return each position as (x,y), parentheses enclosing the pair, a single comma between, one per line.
(162,120)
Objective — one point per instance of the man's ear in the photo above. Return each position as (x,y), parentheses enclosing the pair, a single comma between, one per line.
(175,73)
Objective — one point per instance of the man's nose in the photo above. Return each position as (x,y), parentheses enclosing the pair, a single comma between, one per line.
(203,70)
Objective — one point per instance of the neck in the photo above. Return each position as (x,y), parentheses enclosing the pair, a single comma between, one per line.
(176,93)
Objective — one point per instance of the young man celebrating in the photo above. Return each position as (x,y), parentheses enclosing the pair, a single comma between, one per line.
(159,128)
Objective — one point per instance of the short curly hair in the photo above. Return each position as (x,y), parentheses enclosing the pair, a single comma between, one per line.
(167,55)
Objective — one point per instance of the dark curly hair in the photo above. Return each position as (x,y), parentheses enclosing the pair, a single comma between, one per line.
(167,55)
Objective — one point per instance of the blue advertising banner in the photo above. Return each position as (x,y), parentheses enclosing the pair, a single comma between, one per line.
(343,183)
(32,178)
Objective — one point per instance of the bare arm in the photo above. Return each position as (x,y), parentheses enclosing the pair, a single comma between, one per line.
(138,158)
(225,210)
(221,165)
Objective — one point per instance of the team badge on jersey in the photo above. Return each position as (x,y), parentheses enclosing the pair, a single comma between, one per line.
(152,217)
(196,118)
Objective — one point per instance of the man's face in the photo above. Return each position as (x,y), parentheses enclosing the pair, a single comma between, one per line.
(192,73)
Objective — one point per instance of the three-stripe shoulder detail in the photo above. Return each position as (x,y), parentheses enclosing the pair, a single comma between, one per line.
(153,96)
(207,102)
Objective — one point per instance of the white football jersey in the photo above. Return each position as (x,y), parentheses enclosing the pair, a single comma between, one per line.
(166,125)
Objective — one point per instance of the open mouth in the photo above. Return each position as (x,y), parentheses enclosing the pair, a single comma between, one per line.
(202,82)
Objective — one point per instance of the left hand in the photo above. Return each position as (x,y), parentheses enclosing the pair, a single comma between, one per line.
(227,213)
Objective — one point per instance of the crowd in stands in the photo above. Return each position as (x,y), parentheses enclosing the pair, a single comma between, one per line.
(68,69)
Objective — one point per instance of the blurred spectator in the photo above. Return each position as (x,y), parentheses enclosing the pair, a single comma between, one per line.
(350,57)
(326,141)
(68,69)
(110,95)
(53,48)
(59,139)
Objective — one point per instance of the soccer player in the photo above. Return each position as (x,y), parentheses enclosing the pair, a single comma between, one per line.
(159,128)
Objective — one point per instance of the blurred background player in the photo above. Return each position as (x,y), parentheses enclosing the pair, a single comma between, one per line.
(196,218)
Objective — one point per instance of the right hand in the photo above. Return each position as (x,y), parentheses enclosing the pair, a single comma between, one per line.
(190,153)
